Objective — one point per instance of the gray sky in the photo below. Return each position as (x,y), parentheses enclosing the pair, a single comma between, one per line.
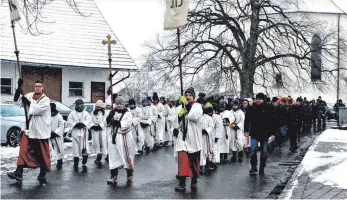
(134,22)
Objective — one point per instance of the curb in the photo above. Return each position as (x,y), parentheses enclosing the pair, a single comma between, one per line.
(293,165)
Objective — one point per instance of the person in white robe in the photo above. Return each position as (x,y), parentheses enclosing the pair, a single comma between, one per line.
(216,134)
(160,122)
(98,131)
(175,123)
(189,140)
(57,135)
(121,145)
(79,121)
(145,125)
(237,139)
(207,126)
(139,137)
(34,150)
(167,116)
(154,118)
(225,140)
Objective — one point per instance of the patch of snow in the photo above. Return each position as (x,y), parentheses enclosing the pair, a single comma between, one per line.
(9,156)
(328,168)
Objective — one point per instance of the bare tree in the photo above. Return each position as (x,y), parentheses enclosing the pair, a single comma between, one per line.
(257,39)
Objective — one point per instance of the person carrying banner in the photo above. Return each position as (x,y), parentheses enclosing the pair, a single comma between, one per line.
(189,141)
(34,149)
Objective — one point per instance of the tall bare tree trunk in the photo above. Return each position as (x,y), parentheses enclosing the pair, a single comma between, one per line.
(249,64)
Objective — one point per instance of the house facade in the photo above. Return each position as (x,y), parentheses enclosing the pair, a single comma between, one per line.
(66,53)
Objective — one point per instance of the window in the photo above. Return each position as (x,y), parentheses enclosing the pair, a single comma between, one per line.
(316,58)
(279,81)
(75,89)
(6,86)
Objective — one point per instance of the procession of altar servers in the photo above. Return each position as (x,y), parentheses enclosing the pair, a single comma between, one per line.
(148,127)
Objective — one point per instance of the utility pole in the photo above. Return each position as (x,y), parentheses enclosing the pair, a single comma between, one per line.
(338,57)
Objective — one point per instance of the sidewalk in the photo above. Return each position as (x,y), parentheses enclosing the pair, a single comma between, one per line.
(322,173)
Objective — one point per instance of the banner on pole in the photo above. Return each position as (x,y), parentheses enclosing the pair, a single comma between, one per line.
(14,10)
(176,14)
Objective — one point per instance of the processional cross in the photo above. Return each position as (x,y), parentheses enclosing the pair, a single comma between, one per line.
(109,42)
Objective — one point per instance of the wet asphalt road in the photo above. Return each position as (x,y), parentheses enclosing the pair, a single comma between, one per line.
(154,177)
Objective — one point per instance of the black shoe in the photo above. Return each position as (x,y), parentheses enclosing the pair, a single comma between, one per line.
(239,160)
(84,159)
(293,150)
(76,161)
(261,170)
(15,175)
(106,159)
(59,164)
(42,176)
(180,188)
(97,162)
(253,170)
(233,160)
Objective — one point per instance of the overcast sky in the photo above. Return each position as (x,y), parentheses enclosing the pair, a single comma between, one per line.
(137,21)
(134,22)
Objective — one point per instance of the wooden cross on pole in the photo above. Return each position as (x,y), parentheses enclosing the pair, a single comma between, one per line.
(109,42)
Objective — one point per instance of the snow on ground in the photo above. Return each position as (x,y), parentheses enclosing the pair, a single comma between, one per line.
(325,161)
(9,156)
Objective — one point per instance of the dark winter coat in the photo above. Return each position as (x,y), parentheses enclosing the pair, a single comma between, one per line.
(259,122)
(293,116)
(307,114)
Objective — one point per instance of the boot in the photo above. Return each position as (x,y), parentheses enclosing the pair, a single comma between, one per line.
(263,158)
(254,163)
(129,175)
(98,159)
(76,160)
(84,159)
(233,158)
(42,176)
(18,174)
(240,156)
(181,187)
(194,183)
(253,170)
(113,179)
(59,164)
(106,159)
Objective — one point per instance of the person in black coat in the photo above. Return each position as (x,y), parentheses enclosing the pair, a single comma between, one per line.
(293,117)
(321,112)
(258,125)
(307,117)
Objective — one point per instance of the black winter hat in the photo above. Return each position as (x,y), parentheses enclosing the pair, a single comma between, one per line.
(299,99)
(260,96)
(132,102)
(201,95)
(290,101)
(274,99)
(79,102)
(191,91)
(155,96)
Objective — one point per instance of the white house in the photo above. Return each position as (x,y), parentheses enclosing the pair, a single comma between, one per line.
(68,55)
